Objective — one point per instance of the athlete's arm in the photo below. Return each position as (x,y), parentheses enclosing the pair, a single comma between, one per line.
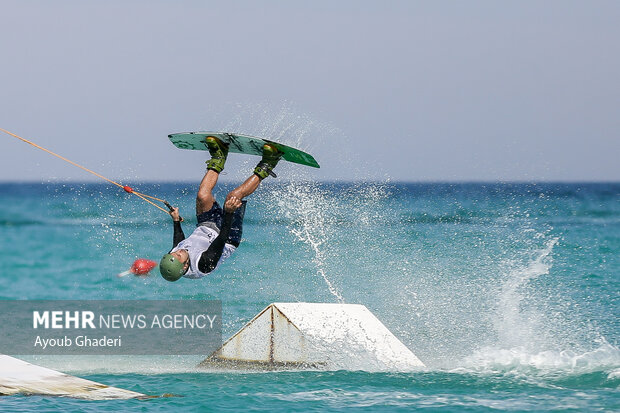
(178,235)
(209,259)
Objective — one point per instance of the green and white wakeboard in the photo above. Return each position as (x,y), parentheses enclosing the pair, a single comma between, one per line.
(240,144)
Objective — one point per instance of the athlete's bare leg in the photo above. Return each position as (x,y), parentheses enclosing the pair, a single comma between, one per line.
(234,198)
(205,198)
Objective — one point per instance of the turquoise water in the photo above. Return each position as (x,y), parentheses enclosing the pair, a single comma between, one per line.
(509,293)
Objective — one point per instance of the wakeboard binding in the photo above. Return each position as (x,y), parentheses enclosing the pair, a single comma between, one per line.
(219,153)
(271,157)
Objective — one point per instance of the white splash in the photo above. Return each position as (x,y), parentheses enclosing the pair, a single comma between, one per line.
(525,342)
(305,206)
(514,325)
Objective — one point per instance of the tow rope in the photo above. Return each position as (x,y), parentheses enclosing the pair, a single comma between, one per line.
(126,188)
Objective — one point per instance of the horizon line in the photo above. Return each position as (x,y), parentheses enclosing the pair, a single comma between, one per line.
(335,181)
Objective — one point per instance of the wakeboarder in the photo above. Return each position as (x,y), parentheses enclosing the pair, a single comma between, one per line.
(218,232)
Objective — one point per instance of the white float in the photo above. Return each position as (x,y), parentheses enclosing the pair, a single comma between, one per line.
(20,377)
(315,335)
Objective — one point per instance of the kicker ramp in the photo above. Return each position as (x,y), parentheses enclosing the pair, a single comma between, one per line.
(314,335)
(19,377)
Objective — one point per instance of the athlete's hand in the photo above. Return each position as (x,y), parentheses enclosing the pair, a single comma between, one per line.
(232,203)
(175,215)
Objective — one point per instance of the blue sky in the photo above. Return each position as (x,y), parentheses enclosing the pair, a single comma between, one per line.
(401,90)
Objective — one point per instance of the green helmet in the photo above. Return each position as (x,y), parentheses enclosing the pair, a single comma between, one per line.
(171,268)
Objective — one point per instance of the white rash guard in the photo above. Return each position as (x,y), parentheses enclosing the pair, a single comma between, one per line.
(197,243)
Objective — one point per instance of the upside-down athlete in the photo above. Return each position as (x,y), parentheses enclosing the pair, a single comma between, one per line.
(218,232)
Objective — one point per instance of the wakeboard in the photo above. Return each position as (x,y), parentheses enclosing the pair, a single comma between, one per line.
(250,145)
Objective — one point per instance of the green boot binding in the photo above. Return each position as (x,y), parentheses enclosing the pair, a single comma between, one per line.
(271,156)
(218,151)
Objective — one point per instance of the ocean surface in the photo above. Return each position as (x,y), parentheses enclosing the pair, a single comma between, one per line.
(509,293)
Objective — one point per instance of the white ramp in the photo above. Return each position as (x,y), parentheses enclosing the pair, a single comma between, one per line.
(330,336)
(19,377)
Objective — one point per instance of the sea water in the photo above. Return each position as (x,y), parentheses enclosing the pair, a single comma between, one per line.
(509,293)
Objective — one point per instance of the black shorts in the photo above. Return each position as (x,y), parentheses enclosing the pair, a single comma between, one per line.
(215,216)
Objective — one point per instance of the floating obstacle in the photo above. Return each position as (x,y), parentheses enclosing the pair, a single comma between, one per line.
(19,377)
(314,335)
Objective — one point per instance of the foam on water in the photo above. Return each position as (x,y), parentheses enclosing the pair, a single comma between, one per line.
(605,357)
